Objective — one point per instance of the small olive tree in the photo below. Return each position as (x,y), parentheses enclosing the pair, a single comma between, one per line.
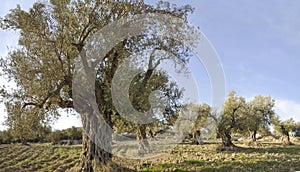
(231,118)
(259,114)
(284,128)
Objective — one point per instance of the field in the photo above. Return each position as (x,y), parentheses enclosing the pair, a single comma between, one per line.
(15,158)
(185,157)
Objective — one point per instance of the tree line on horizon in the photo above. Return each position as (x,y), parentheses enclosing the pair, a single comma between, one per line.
(249,118)
(44,134)
(238,116)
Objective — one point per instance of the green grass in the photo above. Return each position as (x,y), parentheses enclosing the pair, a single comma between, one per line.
(38,157)
(269,157)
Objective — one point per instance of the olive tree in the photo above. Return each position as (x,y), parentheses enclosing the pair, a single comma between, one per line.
(284,128)
(25,124)
(51,37)
(260,114)
(231,118)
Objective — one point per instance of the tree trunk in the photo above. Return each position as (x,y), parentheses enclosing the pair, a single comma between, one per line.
(225,136)
(288,139)
(97,125)
(253,136)
(151,134)
(226,140)
(93,157)
(96,143)
(142,138)
(196,137)
(24,142)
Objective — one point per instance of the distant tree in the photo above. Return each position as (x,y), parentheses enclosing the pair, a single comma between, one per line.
(259,114)
(297,130)
(42,132)
(186,119)
(74,133)
(284,128)
(169,95)
(265,131)
(162,112)
(206,121)
(194,119)
(55,136)
(190,121)
(24,124)
(203,113)
(6,137)
(231,119)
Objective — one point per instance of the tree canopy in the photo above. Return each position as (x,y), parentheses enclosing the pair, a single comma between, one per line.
(52,35)
(260,114)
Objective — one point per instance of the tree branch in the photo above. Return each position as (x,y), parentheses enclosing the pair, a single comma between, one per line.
(51,94)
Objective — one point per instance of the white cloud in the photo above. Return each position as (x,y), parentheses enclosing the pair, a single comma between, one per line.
(288,109)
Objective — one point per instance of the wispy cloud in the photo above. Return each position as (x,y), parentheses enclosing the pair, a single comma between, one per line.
(288,109)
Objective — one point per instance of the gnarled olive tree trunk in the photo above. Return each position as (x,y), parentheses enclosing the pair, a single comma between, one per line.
(144,145)
(97,131)
(93,157)
(197,138)
(97,139)
(287,139)
(225,136)
(253,136)
(226,140)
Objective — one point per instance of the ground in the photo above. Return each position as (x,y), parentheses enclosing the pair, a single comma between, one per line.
(38,157)
(185,157)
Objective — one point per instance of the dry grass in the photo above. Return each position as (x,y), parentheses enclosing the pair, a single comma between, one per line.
(266,156)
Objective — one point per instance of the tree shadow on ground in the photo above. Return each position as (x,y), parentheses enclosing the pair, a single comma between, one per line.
(278,158)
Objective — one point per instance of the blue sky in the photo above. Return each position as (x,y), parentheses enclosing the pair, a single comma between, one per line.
(258,43)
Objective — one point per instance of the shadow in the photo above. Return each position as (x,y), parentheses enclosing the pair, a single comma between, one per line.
(291,150)
(269,165)
(275,158)
(119,168)
(201,166)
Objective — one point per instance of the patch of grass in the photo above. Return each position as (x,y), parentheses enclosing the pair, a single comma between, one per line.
(184,157)
(270,157)
(38,157)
